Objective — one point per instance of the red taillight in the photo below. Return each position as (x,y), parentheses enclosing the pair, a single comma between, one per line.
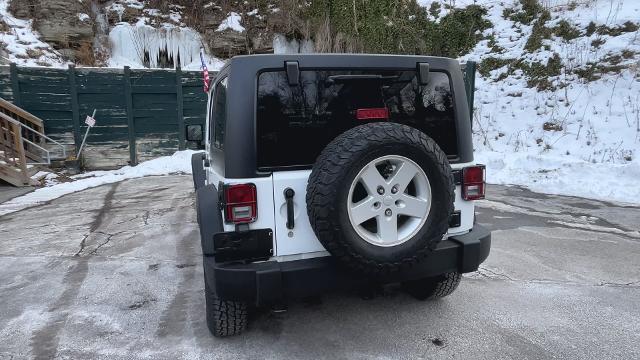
(372,113)
(240,203)
(473,182)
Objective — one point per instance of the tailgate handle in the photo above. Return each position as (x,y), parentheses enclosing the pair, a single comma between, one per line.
(288,196)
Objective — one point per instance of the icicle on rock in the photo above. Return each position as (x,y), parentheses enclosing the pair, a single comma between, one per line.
(145,46)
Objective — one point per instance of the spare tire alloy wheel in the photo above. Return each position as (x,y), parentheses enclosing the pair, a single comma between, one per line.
(399,203)
(379,197)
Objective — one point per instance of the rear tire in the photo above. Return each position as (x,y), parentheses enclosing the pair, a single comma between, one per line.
(224,318)
(197,170)
(434,287)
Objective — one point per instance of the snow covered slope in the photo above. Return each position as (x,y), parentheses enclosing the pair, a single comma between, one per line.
(577,132)
(22,44)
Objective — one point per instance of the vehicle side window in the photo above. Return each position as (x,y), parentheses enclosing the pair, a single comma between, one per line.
(219,113)
(210,118)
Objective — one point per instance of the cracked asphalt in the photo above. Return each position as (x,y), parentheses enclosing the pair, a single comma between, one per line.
(115,272)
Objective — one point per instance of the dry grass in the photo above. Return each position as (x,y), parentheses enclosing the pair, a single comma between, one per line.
(34,53)
(85,54)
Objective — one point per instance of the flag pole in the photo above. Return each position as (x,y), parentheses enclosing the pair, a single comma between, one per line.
(205,71)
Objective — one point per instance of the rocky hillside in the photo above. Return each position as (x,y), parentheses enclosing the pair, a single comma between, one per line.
(156,32)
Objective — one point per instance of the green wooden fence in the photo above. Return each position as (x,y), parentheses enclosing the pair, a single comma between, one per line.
(140,114)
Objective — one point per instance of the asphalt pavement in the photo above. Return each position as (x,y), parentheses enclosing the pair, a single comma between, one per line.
(116,272)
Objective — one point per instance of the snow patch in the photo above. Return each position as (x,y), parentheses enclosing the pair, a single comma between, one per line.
(179,162)
(132,4)
(231,22)
(175,17)
(563,175)
(118,9)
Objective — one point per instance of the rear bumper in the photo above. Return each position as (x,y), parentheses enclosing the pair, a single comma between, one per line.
(271,281)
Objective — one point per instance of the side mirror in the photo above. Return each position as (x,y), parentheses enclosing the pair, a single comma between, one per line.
(194,133)
(423,73)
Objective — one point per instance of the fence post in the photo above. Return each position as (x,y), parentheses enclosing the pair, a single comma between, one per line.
(75,108)
(133,159)
(181,128)
(15,85)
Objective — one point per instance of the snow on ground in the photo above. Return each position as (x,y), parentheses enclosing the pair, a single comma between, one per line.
(179,162)
(595,154)
(550,174)
(591,146)
(22,43)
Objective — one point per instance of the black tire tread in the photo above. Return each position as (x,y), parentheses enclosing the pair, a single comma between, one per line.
(435,287)
(329,165)
(447,285)
(224,318)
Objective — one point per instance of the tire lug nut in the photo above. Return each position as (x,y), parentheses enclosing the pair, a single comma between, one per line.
(388,212)
(394,189)
(380,190)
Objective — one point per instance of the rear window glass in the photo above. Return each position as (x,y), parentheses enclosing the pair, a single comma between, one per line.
(294,123)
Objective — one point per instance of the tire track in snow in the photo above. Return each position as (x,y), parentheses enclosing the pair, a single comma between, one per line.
(44,342)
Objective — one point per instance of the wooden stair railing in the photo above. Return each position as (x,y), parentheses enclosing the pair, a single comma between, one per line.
(21,115)
(13,162)
(23,145)
(9,111)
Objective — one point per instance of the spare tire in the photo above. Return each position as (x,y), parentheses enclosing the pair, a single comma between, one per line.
(379,197)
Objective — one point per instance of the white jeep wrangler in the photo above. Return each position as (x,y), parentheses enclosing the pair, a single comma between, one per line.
(326,170)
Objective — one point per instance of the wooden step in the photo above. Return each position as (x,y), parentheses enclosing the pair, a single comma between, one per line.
(14,176)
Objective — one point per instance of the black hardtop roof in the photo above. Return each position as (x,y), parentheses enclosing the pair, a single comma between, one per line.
(327,55)
(334,60)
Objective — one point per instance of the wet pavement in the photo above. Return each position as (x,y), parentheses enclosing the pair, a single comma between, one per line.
(8,191)
(116,272)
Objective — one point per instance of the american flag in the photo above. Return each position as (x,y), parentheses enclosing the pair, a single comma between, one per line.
(205,71)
